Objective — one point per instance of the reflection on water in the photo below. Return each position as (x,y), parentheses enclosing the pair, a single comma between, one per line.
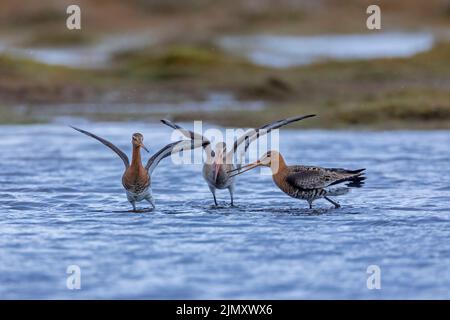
(62,203)
(288,51)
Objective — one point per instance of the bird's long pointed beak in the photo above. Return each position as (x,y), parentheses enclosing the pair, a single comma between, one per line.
(307,116)
(248,166)
(144,147)
(243,167)
(216,170)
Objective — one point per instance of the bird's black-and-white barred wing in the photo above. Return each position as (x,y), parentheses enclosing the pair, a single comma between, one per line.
(253,134)
(119,152)
(304,177)
(188,133)
(174,147)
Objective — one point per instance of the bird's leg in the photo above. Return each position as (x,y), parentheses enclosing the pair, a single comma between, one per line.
(133,203)
(151,201)
(310,204)
(230,189)
(213,191)
(336,205)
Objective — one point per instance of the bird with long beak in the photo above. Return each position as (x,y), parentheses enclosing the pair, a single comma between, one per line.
(215,171)
(306,182)
(137,179)
(220,161)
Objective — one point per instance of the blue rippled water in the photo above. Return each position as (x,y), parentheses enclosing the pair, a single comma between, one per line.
(61,204)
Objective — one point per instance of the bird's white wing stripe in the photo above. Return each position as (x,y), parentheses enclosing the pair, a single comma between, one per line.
(166,151)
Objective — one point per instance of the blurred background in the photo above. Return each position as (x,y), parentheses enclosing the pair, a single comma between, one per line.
(235,63)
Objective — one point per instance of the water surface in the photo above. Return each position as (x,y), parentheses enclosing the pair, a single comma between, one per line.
(62,204)
(288,51)
(97,55)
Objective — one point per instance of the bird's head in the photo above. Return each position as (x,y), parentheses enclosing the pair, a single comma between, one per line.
(218,158)
(269,159)
(219,151)
(138,141)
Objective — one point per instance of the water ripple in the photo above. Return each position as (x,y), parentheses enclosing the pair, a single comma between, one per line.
(62,203)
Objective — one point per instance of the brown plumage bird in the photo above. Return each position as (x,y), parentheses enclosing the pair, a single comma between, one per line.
(307,182)
(136,178)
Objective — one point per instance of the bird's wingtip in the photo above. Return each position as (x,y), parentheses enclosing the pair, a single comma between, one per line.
(80,130)
(301,117)
(169,123)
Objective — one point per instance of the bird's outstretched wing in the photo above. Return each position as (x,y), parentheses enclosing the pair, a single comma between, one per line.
(187,133)
(119,152)
(304,177)
(166,151)
(254,134)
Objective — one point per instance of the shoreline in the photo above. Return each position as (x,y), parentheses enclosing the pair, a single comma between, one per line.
(235,119)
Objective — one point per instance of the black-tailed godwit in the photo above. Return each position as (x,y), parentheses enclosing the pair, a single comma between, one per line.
(307,182)
(137,179)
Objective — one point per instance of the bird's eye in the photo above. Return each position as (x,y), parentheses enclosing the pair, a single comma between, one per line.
(213,154)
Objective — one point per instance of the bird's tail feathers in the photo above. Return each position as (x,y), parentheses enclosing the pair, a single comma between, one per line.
(356,181)
(353,178)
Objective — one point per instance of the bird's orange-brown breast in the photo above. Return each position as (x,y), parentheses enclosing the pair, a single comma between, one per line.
(280,180)
(136,179)
(279,176)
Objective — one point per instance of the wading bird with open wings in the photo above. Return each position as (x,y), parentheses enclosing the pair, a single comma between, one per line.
(306,182)
(137,179)
(220,161)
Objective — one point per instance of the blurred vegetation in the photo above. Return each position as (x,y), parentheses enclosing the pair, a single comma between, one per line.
(63,38)
(374,93)
(185,65)
(207,65)
(383,93)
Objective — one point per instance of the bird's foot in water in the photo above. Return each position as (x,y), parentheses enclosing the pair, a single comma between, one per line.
(336,205)
(143,210)
(223,205)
